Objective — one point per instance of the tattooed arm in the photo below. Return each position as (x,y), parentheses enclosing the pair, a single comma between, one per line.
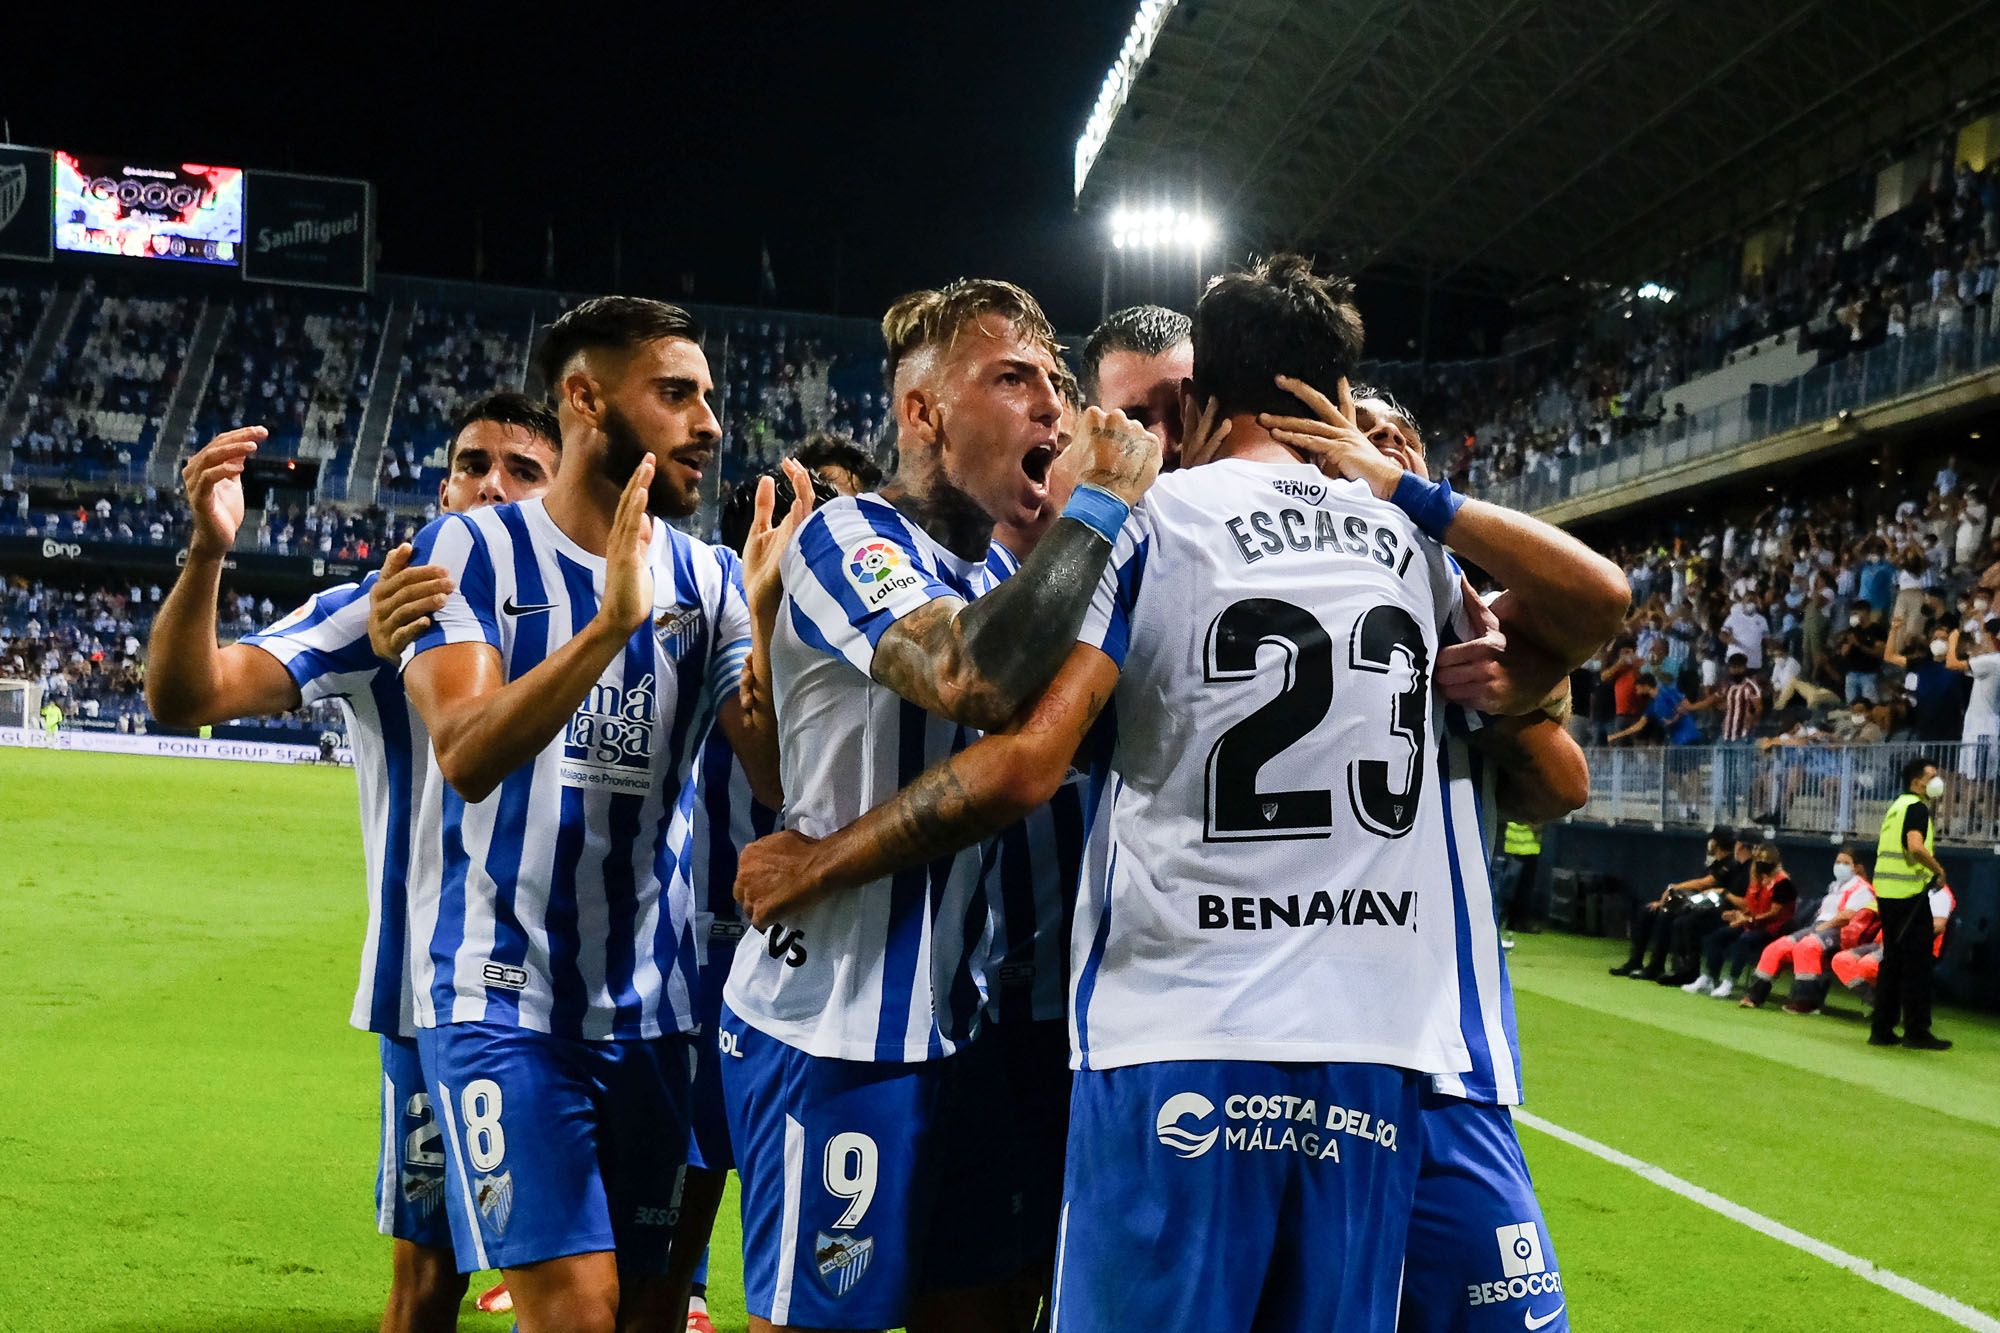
(1543,775)
(989,785)
(978,663)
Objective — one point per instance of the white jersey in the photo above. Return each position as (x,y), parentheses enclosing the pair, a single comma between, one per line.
(324,647)
(1265,876)
(888,972)
(1485,993)
(561,902)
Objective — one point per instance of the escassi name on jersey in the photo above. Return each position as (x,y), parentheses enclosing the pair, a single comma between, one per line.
(1263,532)
(1354,907)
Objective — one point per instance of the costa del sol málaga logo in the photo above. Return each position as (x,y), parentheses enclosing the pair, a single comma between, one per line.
(873,562)
(1187,1141)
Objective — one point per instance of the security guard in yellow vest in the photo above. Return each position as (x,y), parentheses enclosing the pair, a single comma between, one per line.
(1514,885)
(1906,866)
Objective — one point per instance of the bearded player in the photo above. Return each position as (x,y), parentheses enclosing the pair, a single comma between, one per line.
(503,448)
(567,685)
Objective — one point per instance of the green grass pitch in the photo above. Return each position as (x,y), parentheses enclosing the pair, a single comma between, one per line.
(187,1125)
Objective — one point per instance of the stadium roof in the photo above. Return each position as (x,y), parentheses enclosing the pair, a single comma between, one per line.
(1519,139)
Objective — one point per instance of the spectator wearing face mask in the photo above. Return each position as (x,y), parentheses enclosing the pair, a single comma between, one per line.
(1856,725)
(1740,701)
(1845,917)
(1857,654)
(1906,867)
(1975,654)
(1859,967)
(1930,687)
(1878,581)
(1749,922)
(1970,534)
(1745,631)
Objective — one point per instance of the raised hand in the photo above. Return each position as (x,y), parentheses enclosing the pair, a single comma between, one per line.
(213,483)
(402,601)
(1331,438)
(764,547)
(628,566)
(1201,433)
(1110,450)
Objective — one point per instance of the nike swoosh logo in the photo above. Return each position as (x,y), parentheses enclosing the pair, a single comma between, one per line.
(1528,1318)
(513,610)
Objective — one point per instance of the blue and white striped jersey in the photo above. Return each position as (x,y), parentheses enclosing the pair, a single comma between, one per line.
(324,646)
(890,971)
(1485,995)
(1264,878)
(1031,874)
(561,902)
(727,818)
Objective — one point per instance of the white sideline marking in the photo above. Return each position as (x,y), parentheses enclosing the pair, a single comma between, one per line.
(1935,1301)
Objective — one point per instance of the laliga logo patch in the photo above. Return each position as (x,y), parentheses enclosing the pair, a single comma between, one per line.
(1187,1142)
(13,192)
(878,570)
(842,1260)
(874,562)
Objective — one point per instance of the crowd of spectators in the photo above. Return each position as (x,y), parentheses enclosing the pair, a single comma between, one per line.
(451,355)
(1813,621)
(782,385)
(298,366)
(21,306)
(77,511)
(1931,266)
(97,405)
(86,649)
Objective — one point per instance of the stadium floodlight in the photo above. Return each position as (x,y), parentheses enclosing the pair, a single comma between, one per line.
(1654,291)
(1118,81)
(1161,228)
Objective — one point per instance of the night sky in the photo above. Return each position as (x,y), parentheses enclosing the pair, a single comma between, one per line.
(871,147)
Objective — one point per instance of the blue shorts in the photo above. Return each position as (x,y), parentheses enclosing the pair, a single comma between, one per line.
(1209,1194)
(1479,1256)
(837,1176)
(557,1146)
(409,1172)
(708,1140)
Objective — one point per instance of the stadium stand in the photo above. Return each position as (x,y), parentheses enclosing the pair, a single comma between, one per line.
(97,409)
(300,366)
(451,354)
(21,306)
(86,648)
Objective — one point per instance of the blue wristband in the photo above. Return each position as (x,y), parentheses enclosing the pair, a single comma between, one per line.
(1097,509)
(1431,505)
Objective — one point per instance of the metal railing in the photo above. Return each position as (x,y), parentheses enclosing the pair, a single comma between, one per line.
(1839,791)
(1898,366)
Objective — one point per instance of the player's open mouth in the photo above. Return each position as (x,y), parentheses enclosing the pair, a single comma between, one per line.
(1036,463)
(694,460)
